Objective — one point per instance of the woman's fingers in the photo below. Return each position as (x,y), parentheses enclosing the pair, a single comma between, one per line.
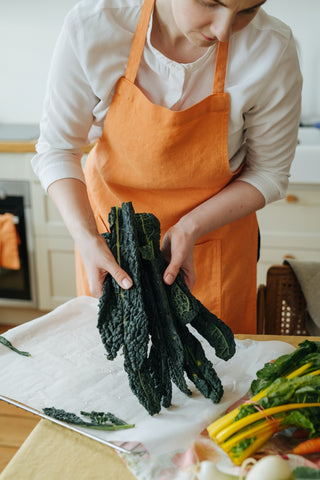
(99,262)
(177,248)
(120,276)
(187,273)
(98,275)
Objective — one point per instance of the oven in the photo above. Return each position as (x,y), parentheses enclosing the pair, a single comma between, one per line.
(17,287)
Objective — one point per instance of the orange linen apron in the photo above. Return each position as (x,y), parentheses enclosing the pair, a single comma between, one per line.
(168,162)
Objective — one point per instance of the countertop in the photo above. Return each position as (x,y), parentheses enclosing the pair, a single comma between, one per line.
(53,452)
(16,138)
(17,146)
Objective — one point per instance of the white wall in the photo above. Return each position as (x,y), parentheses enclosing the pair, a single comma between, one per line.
(29,28)
(28,31)
(303,17)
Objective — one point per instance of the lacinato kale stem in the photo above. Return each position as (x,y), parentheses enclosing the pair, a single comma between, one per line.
(8,344)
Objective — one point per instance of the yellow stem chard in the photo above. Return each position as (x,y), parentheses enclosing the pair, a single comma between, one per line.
(249,419)
(258,442)
(215,427)
(242,431)
(260,429)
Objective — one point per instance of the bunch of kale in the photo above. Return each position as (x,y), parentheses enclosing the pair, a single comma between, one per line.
(149,321)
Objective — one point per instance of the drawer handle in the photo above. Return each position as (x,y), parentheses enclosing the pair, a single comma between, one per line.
(288,255)
(291,198)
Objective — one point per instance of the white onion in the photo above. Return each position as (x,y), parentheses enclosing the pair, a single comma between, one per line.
(208,471)
(272,467)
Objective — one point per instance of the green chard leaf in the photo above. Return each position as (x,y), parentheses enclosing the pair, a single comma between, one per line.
(306,473)
(307,419)
(284,364)
(305,389)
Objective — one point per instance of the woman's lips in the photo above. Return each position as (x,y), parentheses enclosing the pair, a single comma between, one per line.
(209,39)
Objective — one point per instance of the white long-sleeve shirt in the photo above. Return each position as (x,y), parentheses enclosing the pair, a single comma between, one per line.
(263,79)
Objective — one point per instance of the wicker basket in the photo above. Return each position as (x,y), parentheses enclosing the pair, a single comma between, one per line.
(281,305)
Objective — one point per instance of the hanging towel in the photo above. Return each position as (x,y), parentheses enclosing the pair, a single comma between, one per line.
(308,276)
(9,243)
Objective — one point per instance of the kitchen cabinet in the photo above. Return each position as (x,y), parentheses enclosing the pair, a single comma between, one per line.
(290,228)
(52,246)
(54,252)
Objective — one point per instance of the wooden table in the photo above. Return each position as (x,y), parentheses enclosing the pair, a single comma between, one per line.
(52,452)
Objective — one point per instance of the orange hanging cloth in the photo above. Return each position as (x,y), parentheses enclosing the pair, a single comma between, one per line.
(9,243)
(168,162)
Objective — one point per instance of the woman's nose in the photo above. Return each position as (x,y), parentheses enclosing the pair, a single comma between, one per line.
(222,27)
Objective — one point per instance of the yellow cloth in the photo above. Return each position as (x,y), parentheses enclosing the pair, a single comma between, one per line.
(53,452)
(9,241)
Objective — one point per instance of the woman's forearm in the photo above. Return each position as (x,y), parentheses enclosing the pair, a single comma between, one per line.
(71,199)
(235,201)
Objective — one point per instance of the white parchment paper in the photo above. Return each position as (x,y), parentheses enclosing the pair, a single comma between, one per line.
(68,369)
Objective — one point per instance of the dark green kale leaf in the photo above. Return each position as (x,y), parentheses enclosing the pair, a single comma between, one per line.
(182,302)
(216,332)
(188,309)
(149,321)
(136,324)
(199,368)
(142,384)
(8,344)
(158,352)
(99,420)
(122,319)
(110,317)
(101,417)
(172,340)
(154,266)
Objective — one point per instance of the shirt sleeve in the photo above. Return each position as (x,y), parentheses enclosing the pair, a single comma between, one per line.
(271,126)
(67,116)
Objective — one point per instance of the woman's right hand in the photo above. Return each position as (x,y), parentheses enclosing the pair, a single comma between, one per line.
(99,262)
(70,196)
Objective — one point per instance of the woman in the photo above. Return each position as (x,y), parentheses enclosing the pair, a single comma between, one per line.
(196,106)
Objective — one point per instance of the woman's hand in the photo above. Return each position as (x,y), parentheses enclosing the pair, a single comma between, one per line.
(235,201)
(70,196)
(99,262)
(177,248)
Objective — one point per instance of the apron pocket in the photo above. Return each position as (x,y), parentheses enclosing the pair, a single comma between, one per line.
(207,264)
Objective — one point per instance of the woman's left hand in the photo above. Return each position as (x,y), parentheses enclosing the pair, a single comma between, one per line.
(235,201)
(177,248)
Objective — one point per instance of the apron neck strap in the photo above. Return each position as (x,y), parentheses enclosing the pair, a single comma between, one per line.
(221,67)
(139,42)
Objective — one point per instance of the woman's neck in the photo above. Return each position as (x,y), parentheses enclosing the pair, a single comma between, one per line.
(168,39)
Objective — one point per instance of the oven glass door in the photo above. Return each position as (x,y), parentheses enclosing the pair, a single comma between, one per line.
(15,284)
